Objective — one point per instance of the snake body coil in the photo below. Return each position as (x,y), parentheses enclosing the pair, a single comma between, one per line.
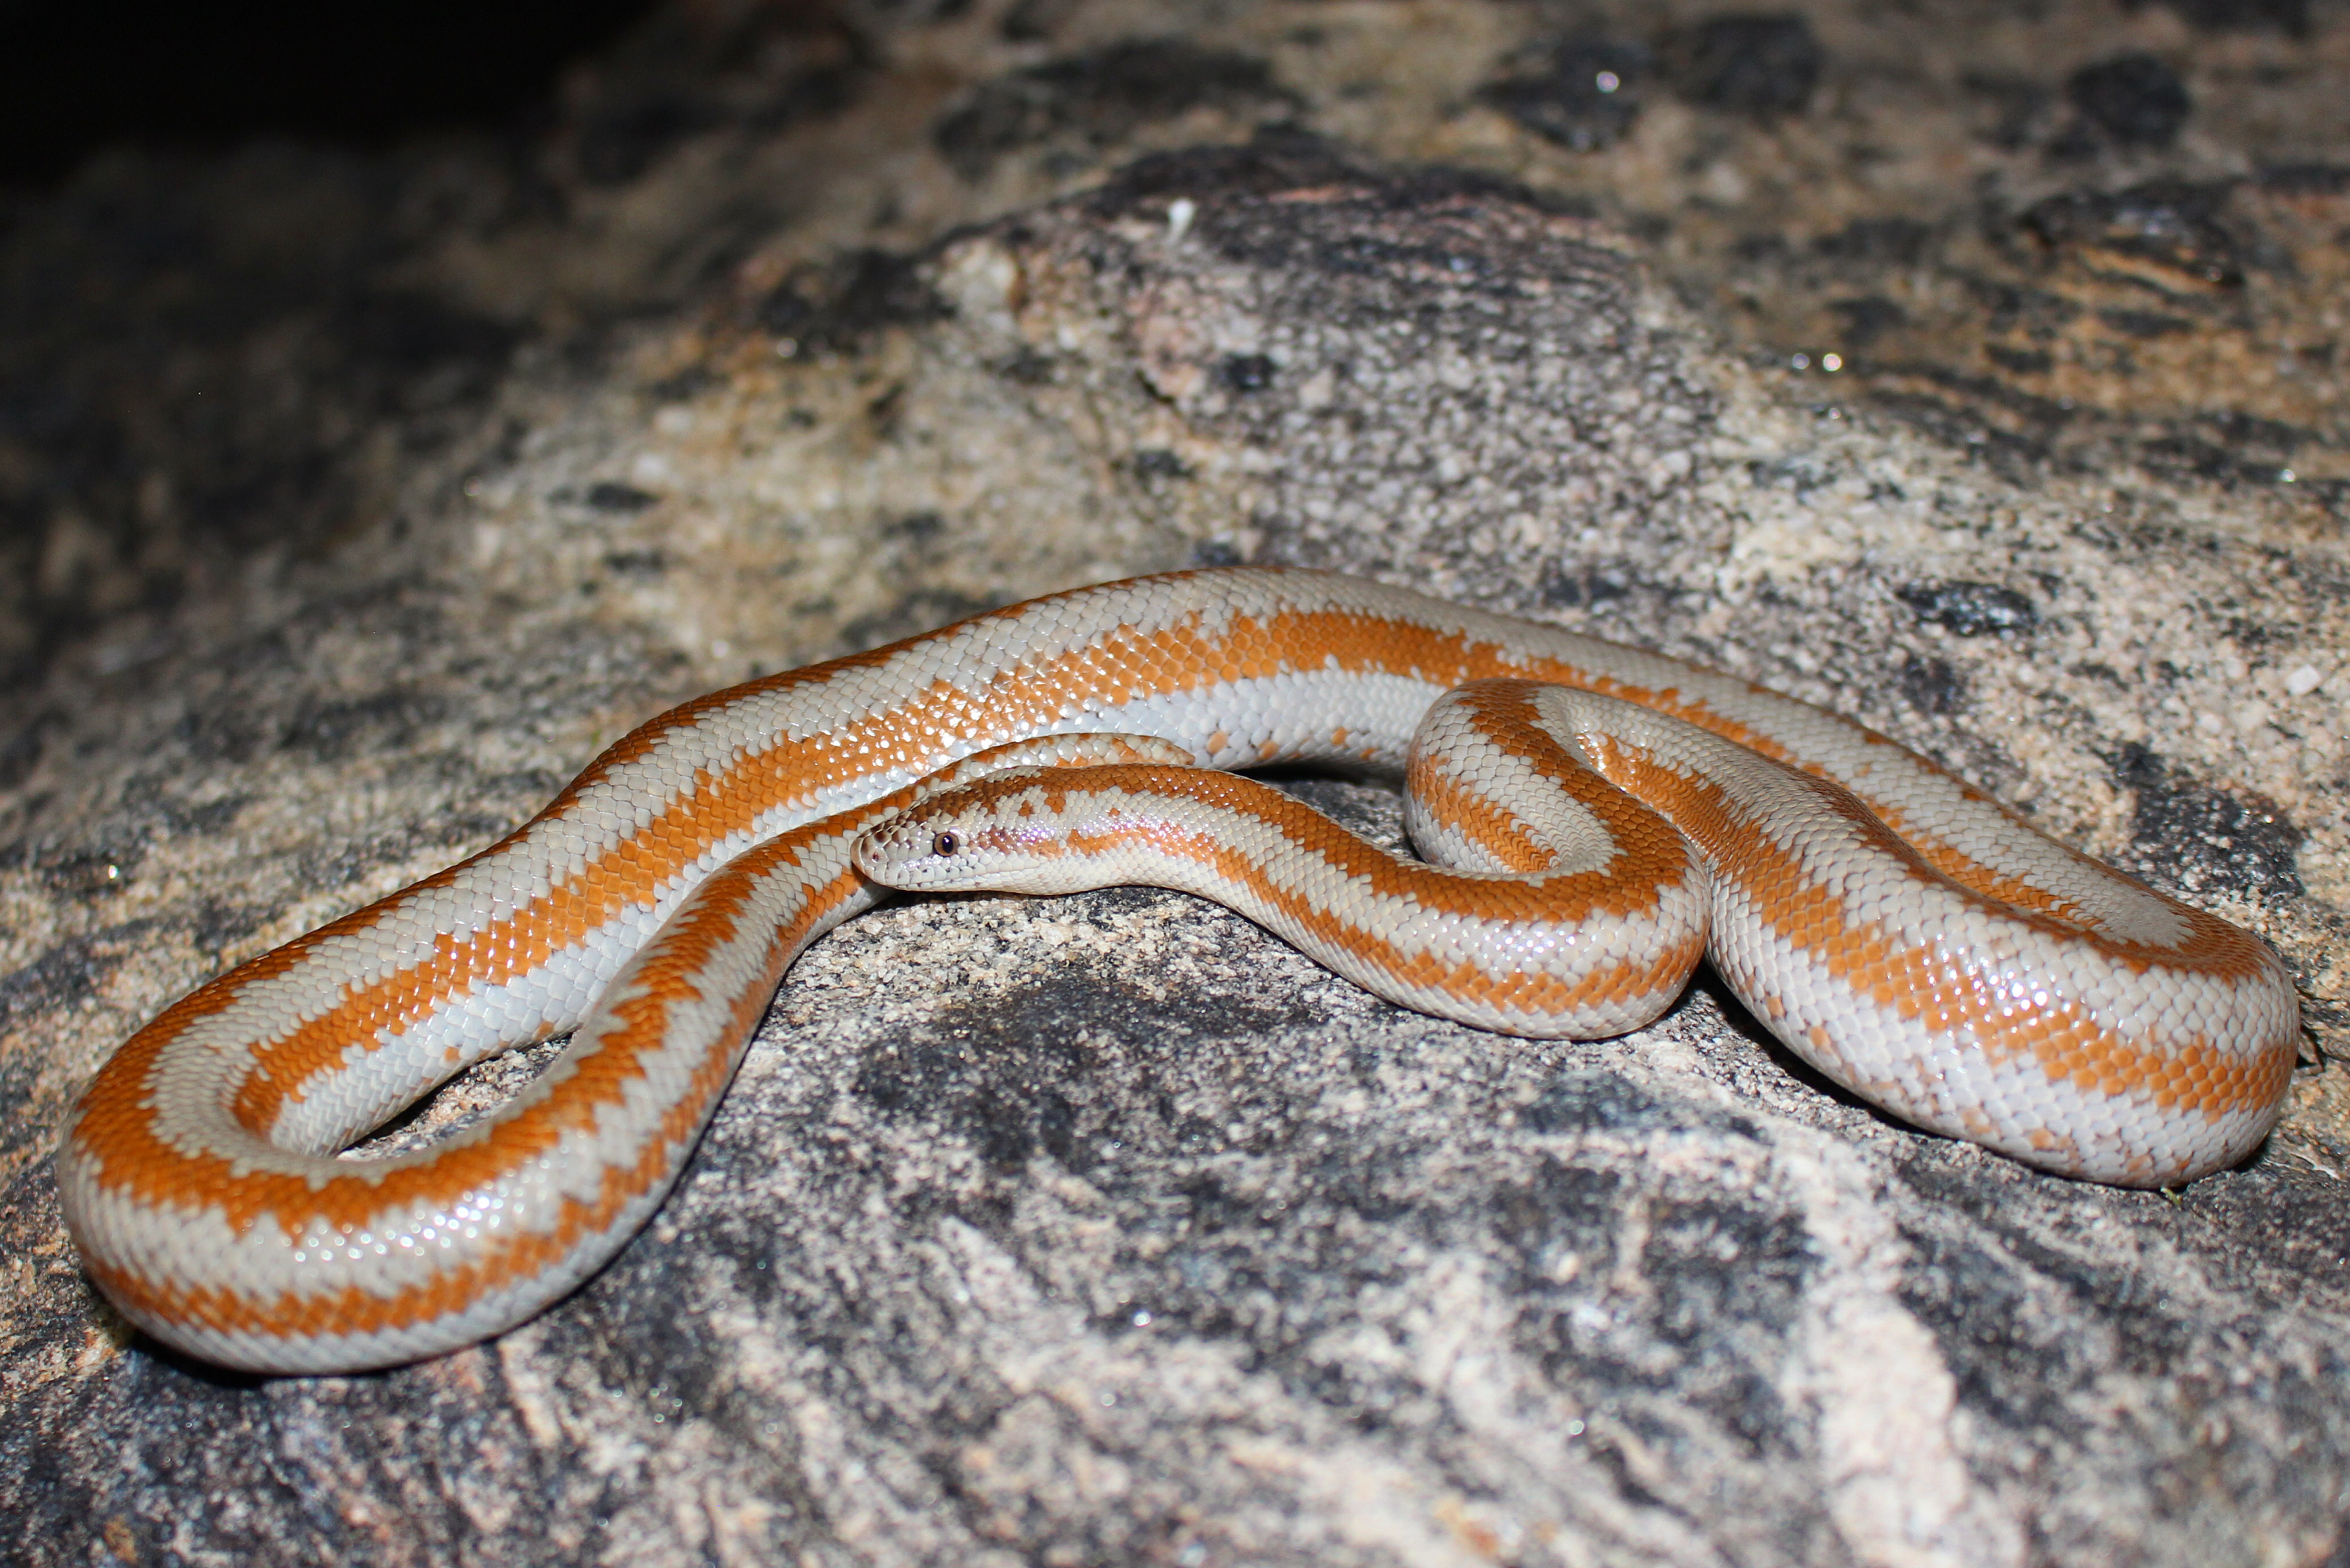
(1905,935)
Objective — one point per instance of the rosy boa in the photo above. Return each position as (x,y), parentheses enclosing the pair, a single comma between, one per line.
(1904,934)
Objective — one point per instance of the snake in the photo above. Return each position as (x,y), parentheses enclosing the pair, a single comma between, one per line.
(1592,819)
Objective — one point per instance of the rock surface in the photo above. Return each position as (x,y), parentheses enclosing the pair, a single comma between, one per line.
(357,502)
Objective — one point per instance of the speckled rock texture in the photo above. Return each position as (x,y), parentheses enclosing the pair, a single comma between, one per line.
(1972,370)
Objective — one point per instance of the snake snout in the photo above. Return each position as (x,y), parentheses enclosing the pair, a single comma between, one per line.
(883,853)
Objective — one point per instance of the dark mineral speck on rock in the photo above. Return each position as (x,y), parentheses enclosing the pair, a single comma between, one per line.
(1583,94)
(2174,224)
(2135,99)
(1103,96)
(608,495)
(834,306)
(2287,17)
(2191,836)
(1974,372)
(1969,609)
(1759,65)
(1248,372)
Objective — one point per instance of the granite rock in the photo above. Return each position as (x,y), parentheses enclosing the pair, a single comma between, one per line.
(1108,1229)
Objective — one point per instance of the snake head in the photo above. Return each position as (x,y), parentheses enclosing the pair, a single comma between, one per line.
(1007,832)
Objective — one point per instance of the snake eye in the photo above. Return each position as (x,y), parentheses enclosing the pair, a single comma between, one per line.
(946,844)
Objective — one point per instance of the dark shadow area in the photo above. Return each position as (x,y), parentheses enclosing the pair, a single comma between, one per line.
(198,1370)
(1735,1014)
(77,78)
